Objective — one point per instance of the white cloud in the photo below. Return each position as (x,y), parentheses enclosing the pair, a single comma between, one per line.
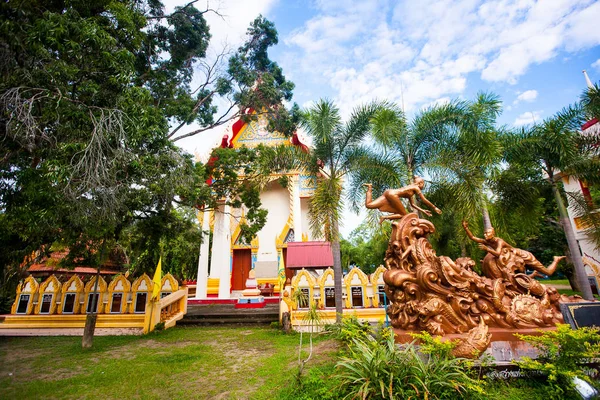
(527,96)
(596,64)
(425,50)
(529,118)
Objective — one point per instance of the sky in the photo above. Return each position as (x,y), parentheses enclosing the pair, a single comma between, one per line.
(418,53)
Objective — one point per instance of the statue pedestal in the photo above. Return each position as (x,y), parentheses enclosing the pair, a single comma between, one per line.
(504,346)
(251,297)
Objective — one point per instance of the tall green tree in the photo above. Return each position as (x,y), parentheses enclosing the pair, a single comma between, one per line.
(337,150)
(557,146)
(88,93)
(471,157)
(92,96)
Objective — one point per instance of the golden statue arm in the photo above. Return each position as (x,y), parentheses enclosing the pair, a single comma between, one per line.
(465,225)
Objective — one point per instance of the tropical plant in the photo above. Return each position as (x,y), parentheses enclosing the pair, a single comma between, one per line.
(563,353)
(471,156)
(336,152)
(381,370)
(313,319)
(556,146)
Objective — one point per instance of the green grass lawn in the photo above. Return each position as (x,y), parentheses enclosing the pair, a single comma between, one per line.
(183,362)
(552,282)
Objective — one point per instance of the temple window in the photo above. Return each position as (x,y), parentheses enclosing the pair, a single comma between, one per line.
(69,305)
(289,237)
(381,293)
(117,300)
(329,297)
(305,298)
(93,299)
(140,302)
(164,294)
(46,303)
(23,303)
(357,296)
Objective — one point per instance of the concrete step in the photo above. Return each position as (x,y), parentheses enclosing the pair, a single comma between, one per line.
(219,314)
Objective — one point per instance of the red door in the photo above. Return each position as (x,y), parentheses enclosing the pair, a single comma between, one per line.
(242,262)
(289,273)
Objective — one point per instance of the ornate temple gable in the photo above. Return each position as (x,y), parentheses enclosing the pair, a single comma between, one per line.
(254,133)
(308,185)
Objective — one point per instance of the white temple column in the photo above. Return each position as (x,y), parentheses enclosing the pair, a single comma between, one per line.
(296,208)
(220,264)
(202,279)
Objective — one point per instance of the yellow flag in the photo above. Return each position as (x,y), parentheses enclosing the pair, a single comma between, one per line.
(157,280)
(281,273)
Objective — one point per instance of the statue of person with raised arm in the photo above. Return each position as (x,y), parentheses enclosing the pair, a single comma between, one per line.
(391,200)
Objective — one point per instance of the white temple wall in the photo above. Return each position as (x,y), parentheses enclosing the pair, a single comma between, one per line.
(276,200)
(591,256)
(305,221)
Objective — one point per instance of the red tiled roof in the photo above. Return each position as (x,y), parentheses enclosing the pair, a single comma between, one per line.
(309,255)
(591,122)
(36,268)
(56,256)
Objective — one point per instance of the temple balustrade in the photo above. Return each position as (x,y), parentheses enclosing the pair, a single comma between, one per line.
(305,283)
(90,293)
(49,293)
(119,295)
(141,290)
(168,310)
(362,296)
(27,293)
(71,297)
(377,286)
(121,303)
(356,284)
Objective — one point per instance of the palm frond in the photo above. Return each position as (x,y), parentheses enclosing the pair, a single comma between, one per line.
(590,101)
(588,215)
(325,208)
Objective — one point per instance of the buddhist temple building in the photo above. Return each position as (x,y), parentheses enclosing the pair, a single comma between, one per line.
(232,258)
(591,255)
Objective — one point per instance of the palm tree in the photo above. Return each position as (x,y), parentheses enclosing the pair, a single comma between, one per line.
(555,146)
(471,157)
(337,150)
(406,148)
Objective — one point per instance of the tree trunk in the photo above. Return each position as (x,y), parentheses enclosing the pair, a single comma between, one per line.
(90,321)
(487,223)
(463,249)
(337,273)
(580,273)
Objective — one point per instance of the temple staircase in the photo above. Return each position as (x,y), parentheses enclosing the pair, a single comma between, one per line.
(227,314)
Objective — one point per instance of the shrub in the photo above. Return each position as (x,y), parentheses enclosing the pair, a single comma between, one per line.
(563,353)
(351,329)
(381,370)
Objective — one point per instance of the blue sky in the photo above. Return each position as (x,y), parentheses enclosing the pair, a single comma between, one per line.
(353,51)
(531,53)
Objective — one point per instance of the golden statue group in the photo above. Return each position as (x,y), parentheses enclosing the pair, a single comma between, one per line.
(441,296)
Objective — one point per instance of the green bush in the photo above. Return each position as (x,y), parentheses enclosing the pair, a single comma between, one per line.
(350,329)
(563,353)
(381,370)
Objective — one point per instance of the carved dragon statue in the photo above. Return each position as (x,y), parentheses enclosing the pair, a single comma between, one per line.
(442,296)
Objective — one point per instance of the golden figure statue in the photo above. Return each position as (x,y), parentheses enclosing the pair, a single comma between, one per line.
(500,252)
(442,296)
(391,201)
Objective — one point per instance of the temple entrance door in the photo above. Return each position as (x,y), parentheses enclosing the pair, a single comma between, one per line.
(242,263)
